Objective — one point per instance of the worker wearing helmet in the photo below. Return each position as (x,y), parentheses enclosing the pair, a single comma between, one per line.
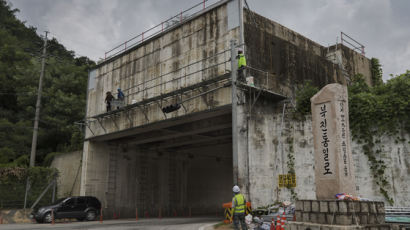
(241,65)
(238,207)
(121,95)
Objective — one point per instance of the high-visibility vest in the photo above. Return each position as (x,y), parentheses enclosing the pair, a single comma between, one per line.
(239,201)
(241,61)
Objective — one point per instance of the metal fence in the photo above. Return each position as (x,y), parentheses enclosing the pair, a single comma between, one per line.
(201,70)
(12,194)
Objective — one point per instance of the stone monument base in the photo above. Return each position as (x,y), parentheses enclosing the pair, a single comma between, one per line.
(339,214)
(312,226)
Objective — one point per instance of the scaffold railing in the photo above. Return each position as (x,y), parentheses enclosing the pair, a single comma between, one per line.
(200,70)
(346,39)
(166,25)
(207,71)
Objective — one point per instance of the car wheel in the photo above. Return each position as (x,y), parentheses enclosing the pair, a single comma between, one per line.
(80,219)
(47,218)
(90,216)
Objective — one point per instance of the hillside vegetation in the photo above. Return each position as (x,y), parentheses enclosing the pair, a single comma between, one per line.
(63,97)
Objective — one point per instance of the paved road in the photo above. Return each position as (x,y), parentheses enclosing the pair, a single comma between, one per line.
(148,224)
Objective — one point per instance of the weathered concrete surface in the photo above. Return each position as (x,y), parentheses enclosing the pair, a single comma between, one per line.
(352,62)
(159,66)
(340,212)
(130,164)
(333,158)
(267,162)
(292,59)
(69,168)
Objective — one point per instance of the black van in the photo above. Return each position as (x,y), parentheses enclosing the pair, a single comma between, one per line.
(79,207)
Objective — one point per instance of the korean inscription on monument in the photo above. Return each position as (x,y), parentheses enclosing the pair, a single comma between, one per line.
(325,140)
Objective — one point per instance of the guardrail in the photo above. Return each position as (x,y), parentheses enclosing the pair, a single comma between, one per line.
(397,211)
(207,68)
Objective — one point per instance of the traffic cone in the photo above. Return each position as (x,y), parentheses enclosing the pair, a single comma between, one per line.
(278,227)
(272,225)
(282,225)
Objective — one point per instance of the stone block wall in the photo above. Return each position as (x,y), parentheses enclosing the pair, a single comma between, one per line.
(313,226)
(340,212)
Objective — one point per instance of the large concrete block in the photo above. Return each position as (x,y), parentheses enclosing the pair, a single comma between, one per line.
(344,219)
(364,207)
(333,206)
(372,207)
(324,206)
(331,218)
(381,219)
(292,227)
(364,219)
(314,217)
(321,218)
(299,205)
(315,206)
(334,169)
(306,217)
(372,219)
(307,206)
(298,215)
(380,207)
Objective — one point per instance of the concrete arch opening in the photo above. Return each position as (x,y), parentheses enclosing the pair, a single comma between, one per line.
(180,167)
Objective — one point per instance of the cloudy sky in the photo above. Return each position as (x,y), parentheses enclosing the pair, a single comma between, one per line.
(91,27)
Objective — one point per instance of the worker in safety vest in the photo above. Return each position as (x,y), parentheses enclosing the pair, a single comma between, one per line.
(241,65)
(238,207)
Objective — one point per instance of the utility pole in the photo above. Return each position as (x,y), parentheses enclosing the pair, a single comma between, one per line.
(38,105)
(37,117)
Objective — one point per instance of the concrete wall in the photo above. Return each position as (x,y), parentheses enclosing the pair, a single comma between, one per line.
(173,60)
(268,159)
(351,61)
(69,168)
(292,59)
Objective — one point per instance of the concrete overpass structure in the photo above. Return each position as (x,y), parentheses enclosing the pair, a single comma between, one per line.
(138,157)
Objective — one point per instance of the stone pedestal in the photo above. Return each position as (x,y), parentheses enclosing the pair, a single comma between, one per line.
(334,169)
(335,214)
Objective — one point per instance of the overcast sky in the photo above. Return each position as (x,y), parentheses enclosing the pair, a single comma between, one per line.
(91,27)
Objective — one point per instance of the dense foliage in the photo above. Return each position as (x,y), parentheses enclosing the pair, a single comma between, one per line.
(374,111)
(303,95)
(63,98)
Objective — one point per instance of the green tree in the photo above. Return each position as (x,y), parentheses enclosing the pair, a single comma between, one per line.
(63,98)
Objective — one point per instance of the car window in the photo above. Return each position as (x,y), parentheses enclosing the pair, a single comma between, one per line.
(59,201)
(93,201)
(69,202)
(80,200)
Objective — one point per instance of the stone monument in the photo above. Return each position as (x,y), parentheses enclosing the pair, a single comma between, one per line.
(334,169)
